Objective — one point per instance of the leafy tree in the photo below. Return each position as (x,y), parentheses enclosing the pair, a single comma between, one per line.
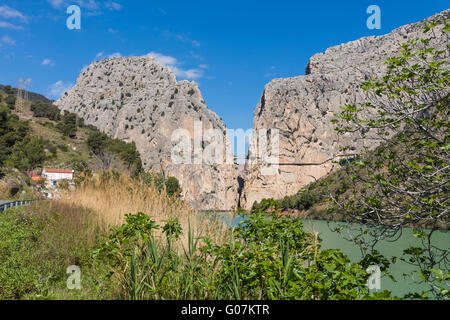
(305,200)
(288,202)
(68,126)
(29,153)
(11,101)
(130,154)
(405,181)
(12,130)
(9,90)
(157,179)
(172,186)
(96,141)
(43,110)
(107,149)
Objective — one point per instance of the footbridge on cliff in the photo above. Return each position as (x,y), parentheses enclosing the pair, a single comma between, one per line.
(299,164)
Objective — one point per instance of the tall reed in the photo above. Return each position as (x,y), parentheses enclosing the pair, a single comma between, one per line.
(110,196)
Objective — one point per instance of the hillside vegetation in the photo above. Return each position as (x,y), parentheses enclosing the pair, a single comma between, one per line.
(315,201)
(39,135)
(134,238)
(168,252)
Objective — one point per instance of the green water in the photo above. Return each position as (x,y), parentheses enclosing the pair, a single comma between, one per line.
(334,240)
(403,285)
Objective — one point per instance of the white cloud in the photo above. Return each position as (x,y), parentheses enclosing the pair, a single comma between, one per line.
(114,6)
(182,38)
(47,62)
(8,40)
(195,55)
(172,63)
(114,55)
(56,90)
(10,13)
(111,30)
(93,6)
(89,4)
(162,59)
(56,3)
(90,7)
(8,25)
(190,74)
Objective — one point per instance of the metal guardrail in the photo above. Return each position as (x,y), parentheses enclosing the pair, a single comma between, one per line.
(5,205)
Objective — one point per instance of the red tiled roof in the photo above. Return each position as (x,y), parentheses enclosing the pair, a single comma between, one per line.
(57,171)
(31,174)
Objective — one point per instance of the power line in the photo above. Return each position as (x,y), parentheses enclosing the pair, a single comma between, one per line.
(19,97)
(27,84)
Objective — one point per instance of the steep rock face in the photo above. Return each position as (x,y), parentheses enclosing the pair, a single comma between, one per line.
(137,99)
(302,108)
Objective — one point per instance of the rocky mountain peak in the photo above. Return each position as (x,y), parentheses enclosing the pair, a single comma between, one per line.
(303,107)
(137,99)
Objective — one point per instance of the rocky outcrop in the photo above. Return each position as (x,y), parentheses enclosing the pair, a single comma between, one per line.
(302,108)
(137,99)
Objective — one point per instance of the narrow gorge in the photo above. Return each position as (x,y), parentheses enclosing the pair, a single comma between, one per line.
(137,99)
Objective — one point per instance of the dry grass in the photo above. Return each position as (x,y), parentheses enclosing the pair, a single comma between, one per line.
(12,183)
(67,231)
(4,189)
(111,196)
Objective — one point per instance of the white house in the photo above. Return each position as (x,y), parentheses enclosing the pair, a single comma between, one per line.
(54,175)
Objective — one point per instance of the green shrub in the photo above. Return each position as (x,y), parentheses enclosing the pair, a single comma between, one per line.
(96,141)
(172,186)
(12,131)
(43,110)
(287,203)
(38,243)
(11,102)
(68,126)
(29,153)
(267,257)
(266,205)
(99,142)
(305,200)
(63,147)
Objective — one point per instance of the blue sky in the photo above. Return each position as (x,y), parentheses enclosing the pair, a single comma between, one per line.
(230,48)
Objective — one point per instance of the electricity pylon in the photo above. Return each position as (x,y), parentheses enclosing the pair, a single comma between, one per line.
(19,97)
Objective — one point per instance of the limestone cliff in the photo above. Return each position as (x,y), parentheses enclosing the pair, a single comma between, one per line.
(302,109)
(137,99)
